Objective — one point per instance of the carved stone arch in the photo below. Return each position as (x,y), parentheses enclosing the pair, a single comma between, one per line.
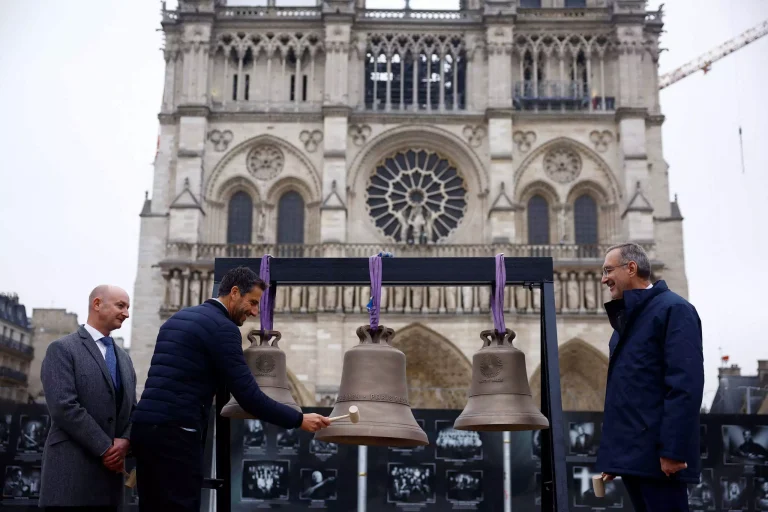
(288,184)
(235,184)
(300,393)
(311,207)
(438,373)
(593,189)
(542,188)
(312,174)
(611,184)
(583,374)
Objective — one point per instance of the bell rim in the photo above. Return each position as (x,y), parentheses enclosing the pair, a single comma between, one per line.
(496,422)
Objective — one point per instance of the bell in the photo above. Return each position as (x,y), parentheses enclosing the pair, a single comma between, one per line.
(500,397)
(267,364)
(373,379)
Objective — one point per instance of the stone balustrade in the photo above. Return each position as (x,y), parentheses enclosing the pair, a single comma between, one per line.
(268,12)
(188,271)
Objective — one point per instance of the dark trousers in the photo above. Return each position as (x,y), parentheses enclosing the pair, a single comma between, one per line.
(169,468)
(652,495)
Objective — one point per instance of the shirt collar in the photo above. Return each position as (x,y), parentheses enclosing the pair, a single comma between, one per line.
(95,334)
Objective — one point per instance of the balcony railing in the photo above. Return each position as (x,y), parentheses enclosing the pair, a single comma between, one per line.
(16,346)
(268,12)
(557,95)
(14,375)
(178,252)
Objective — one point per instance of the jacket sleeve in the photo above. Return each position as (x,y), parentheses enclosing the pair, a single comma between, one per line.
(225,348)
(58,378)
(684,384)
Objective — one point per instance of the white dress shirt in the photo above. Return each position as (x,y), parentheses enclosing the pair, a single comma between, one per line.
(96,335)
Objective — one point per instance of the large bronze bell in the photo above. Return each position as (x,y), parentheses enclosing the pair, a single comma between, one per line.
(373,378)
(267,364)
(500,397)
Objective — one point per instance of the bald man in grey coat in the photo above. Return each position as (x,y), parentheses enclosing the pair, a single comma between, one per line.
(90,389)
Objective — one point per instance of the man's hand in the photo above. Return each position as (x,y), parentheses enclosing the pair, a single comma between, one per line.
(114,458)
(314,422)
(670,467)
(607,478)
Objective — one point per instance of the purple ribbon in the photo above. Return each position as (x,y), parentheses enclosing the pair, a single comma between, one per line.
(497,295)
(266,311)
(374,266)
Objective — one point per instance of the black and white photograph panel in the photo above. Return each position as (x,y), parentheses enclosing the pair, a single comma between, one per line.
(464,486)
(318,484)
(734,493)
(536,445)
(254,438)
(21,481)
(5,431)
(410,483)
(701,496)
(322,448)
(581,439)
(584,494)
(288,440)
(266,480)
(33,433)
(703,444)
(745,445)
(455,444)
(761,493)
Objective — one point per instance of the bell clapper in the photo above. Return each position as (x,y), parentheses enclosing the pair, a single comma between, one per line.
(354,415)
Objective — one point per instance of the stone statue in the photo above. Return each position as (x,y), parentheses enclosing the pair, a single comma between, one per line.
(573,292)
(589,291)
(195,286)
(330,298)
(349,298)
(467,298)
(450,298)
(399,298)
(175,299)
(313,293)
(417,292)
(434,299)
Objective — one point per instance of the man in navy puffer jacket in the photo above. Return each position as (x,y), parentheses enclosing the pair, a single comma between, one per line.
(650,434)
(198,348)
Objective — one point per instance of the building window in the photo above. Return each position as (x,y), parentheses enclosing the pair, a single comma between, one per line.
(530,4)
(290,219)
(240,219)
(572,4)
(585,220)
(538,221)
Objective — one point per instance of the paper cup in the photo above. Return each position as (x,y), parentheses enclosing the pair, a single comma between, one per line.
(599,486)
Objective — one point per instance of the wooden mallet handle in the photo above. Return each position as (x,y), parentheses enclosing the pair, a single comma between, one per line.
(354,415)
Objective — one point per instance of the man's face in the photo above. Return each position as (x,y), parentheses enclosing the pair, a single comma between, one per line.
(112,308)
(747,435)
(246,305)
(615,274)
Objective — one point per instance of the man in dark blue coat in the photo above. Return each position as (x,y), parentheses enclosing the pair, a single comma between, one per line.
(198,348)
(650,435)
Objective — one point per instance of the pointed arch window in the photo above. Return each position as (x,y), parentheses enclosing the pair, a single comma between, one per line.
(240,218)
(290,219)
(585,220)
(538,221)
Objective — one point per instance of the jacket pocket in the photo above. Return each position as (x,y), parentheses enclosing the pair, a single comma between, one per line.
(56,437)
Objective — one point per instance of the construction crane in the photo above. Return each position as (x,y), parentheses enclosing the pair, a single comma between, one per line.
(705,61)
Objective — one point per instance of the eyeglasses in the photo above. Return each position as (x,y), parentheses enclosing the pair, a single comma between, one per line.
(608,270)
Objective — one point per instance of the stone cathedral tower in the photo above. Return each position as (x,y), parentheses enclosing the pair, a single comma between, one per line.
(529,127)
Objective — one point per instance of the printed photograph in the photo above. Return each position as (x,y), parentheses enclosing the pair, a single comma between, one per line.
(734,493)
(745,445)
(5,431)
(701,496)
(584,495)
(21,482)
(455,444)
(581,437)
(321,448)
(254,438)
(33,433)
(411,483)
(318,484)
(761,493)
(464,485)
(288,440)
(536,445)
(265,480)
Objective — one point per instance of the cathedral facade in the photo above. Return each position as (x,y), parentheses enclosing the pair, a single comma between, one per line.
(523,127)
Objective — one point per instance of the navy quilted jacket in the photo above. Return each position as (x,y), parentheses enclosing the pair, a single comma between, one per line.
(655,385)
(197,349)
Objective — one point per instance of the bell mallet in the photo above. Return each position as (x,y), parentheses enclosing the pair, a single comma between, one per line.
(354,415)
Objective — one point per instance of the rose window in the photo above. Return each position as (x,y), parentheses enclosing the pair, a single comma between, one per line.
(265,161)
(562,165)
(416,196)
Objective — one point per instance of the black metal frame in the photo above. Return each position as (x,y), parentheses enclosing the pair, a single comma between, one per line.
(530,272)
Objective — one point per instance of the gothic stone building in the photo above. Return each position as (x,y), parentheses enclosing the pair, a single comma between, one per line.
(339,130)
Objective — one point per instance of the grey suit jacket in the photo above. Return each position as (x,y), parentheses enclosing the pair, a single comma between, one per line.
(84,421)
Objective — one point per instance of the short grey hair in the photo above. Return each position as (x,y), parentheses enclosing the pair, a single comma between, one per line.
(633,252)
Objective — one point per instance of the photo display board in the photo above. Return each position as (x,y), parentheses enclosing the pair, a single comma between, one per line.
(274,468)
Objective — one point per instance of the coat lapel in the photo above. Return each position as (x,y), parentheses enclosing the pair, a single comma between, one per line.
(125,376)
(90,345)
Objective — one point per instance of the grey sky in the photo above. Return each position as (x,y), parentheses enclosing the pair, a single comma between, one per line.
(80,88)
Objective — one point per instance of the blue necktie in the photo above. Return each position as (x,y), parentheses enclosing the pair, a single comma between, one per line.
(111,358)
